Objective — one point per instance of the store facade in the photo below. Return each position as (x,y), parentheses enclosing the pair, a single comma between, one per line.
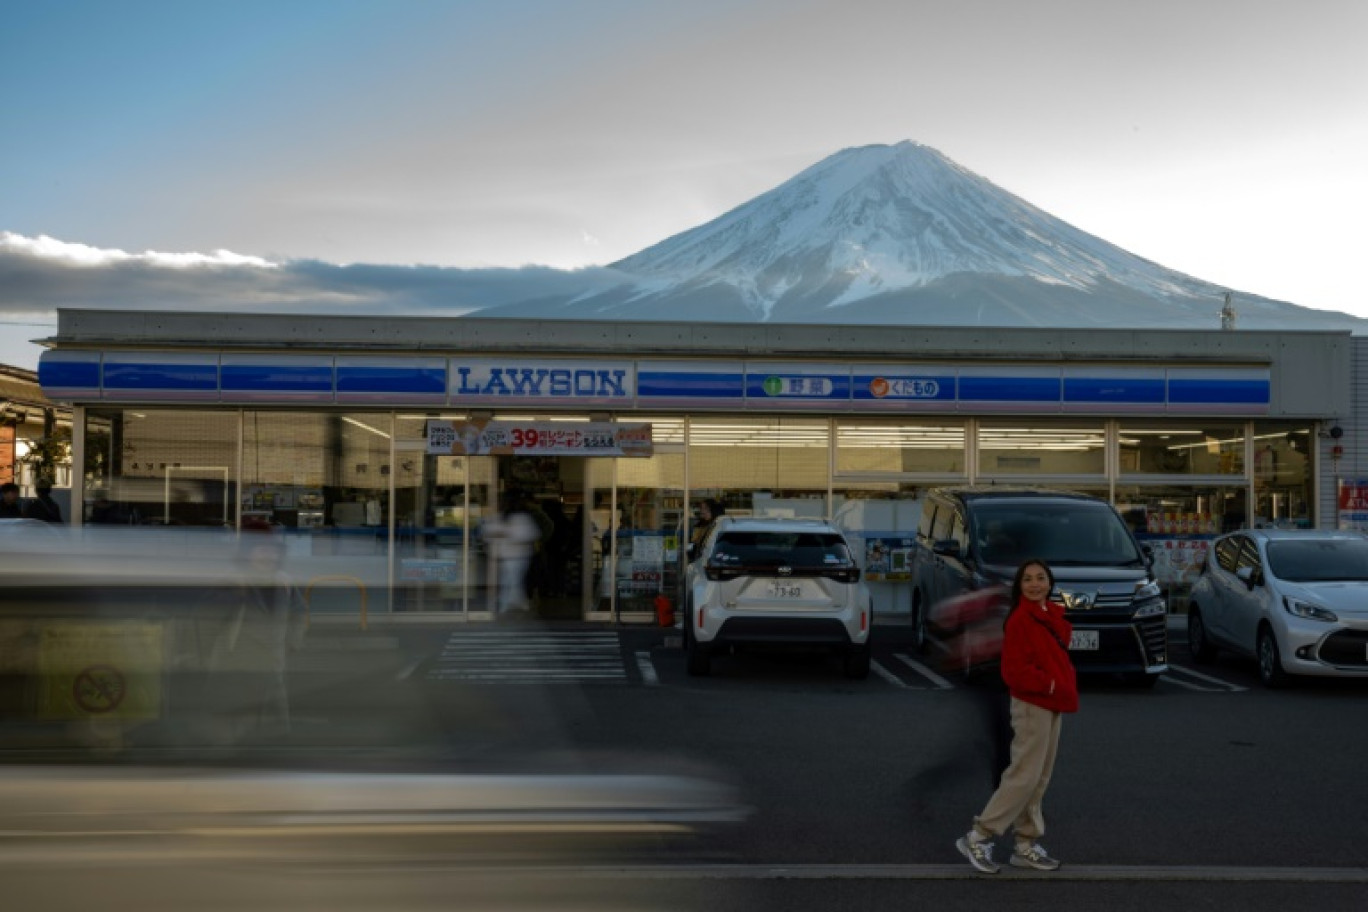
(379,444)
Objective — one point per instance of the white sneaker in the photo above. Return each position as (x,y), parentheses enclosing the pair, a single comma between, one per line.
(1033,856)
(979,852)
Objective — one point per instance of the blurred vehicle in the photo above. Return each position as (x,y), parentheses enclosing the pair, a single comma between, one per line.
(776,581)
(971,538)
(969,629)
(1294,599)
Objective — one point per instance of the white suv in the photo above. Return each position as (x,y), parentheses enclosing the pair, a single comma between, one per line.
(773,582)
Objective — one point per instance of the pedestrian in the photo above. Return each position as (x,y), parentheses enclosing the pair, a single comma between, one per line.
(1043,686)
(265,619)
(514,535)
(708,512)
(43,507)
(9,501)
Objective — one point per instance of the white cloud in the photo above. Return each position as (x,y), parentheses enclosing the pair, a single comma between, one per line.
(39,275)
(84,255)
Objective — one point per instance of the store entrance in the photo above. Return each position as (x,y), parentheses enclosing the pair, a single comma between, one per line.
(569,498)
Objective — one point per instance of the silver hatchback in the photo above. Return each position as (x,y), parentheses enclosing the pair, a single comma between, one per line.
(1295,600)
(775,582)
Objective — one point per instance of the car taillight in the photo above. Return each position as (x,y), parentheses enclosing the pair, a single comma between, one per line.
(844,575)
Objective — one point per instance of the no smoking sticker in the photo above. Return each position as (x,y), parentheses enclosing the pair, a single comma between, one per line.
(99,689)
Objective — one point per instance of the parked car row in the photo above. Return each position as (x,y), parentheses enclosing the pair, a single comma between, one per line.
(1295,600)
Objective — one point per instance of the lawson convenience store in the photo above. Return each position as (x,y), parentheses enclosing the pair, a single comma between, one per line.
(378,444)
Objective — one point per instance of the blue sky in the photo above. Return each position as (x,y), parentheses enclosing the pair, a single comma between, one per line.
(1221,138)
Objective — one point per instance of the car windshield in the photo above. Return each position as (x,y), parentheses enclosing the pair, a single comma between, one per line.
(773,549)
(1315,560)
(1061,533)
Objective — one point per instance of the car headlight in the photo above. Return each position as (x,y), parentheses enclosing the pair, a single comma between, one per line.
(1308,610)
(1147,590)
(1149,611)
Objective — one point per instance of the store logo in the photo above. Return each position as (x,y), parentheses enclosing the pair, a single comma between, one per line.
(1078,601)
(531,382)
(798,386)
(880,387)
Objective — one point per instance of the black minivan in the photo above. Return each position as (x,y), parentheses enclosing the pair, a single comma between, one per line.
(973,537)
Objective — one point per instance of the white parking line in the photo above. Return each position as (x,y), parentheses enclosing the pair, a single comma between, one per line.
(925,672)
(1190,686)
(887,675)
(1236,688)
(648,672)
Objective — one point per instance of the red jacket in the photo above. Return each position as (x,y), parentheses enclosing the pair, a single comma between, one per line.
(1035,657)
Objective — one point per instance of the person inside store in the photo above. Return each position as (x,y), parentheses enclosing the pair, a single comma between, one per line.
(708,512)
(43,507)
(104,512)
(1043,686)
(514,534)
(9,501)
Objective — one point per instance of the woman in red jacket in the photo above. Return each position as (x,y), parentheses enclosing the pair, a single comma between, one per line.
(1040,677)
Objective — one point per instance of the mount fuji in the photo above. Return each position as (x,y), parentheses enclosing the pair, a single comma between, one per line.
(902,235)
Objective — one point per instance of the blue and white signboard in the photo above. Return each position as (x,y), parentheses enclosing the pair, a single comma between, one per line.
(515,381)
(903,387)
(796,385)
(713,384)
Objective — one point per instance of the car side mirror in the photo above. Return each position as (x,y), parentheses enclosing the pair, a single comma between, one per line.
(1249,576)
(946,547)
(1148,552)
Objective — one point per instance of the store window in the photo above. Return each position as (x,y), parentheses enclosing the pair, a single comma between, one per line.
(161,467)
(323,479)
(880,446)
(645,555)
(1036,447)
(761,466)
(1178,523)
(1180,448)
(1284,482)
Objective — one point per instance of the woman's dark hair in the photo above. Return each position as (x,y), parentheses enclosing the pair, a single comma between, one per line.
(715,507)
(1021,571)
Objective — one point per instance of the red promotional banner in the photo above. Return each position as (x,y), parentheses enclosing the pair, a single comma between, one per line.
(538,438)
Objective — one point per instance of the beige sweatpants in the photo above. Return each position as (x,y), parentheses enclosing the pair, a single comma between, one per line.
(1016,803)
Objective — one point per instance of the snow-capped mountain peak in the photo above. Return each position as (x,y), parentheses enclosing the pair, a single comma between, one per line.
(878,219)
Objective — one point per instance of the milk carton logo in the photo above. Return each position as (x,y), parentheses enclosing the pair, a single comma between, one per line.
(903,388)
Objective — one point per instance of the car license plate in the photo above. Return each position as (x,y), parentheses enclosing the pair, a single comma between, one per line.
(786,590)
(1083,639)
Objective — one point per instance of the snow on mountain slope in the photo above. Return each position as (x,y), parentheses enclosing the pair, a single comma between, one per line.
(901,235)
(880,219)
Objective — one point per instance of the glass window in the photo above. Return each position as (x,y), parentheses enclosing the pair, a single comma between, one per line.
(1178,522)
(1041,447)
(761,466)
(1228,552)
(324,478)
(161,467)
(1178,448)
(875,446)
(650,497)
(1249,555)
(1319,560)
(1284,489)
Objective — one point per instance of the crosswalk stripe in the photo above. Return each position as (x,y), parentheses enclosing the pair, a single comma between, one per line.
(514,655)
